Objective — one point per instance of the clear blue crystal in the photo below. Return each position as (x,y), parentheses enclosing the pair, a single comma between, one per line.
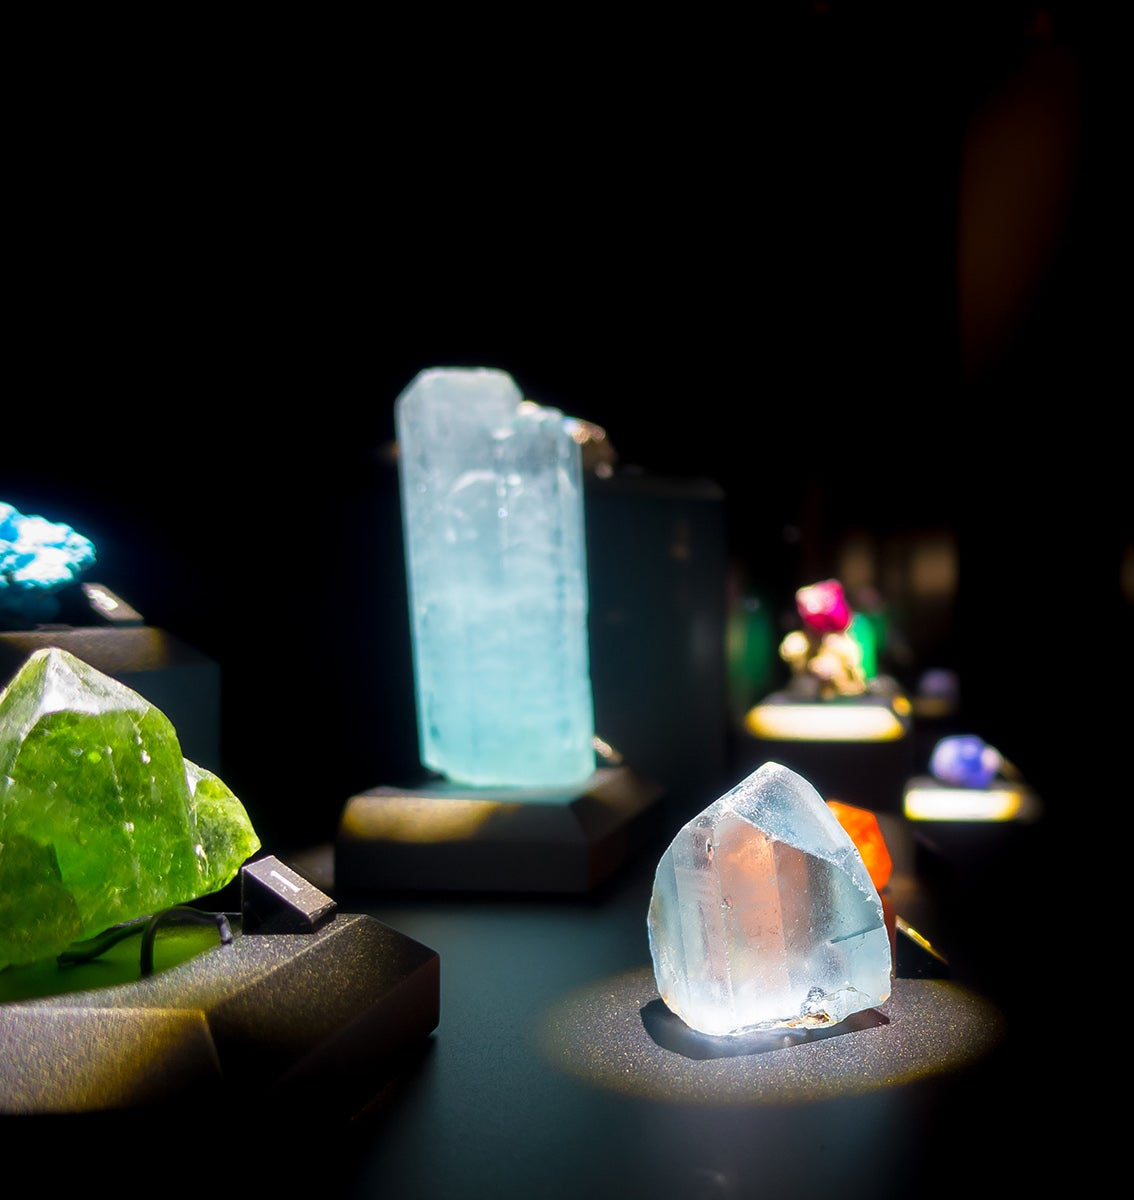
(763,914)
(492,506)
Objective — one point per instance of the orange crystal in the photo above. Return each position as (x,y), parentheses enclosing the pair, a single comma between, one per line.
(866,833)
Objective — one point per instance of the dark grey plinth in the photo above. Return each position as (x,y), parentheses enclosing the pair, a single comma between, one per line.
(441,837)
(303,1024)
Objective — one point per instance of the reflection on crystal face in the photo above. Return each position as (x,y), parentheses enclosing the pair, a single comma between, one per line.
(862,826)
(763,914)
(492,508)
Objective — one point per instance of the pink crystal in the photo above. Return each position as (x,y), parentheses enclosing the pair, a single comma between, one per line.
(823,607)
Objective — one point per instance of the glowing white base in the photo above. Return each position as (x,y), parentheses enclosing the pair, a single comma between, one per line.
(927,800)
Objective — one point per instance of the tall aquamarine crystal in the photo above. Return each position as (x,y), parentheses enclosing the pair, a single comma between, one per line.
(492,506)
(102,820)
(763,914)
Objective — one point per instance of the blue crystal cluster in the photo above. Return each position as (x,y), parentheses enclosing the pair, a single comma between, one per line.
(38,557)
(492,507)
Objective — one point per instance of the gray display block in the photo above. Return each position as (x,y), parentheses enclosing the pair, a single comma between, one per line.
(441,837)
(301,1024)
(276,899)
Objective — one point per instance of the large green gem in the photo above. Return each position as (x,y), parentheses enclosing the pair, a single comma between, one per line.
(101,818)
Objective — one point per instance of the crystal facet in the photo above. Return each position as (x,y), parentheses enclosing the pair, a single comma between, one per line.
(492,505)
(763,914)
(101,818)
(866,833)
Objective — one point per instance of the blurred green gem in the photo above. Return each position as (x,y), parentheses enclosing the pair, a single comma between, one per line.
(752,653)
(866,630)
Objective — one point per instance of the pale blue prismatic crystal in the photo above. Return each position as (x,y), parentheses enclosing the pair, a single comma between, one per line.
(492,507)
(763,914)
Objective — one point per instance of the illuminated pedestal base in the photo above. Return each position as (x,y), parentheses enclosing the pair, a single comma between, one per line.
(927,1027)
(857,749)
(971,827)
(440,837)
(303,1024)
(174,677)
(1004,800)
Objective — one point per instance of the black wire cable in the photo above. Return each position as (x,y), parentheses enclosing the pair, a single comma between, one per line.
(148,927)
(182,914)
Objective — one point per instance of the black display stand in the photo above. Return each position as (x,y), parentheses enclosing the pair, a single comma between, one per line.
(303,1023)
(441,837)
(658,580)
(857,749)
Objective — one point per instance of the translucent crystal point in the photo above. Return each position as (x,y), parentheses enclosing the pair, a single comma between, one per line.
(101,818)
(763,914)
(492,505)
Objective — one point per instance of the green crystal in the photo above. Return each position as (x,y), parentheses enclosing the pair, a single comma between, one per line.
(865,629)
(101,818)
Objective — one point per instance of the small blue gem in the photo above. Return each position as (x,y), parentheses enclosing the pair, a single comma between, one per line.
(965,760)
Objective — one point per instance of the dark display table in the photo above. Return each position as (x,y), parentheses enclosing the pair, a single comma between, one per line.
(553,1071)
(543,1079)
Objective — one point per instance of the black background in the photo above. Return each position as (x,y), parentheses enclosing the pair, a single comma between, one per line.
(736,249)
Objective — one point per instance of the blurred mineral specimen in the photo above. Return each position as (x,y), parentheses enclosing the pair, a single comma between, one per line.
(37,558)
(101,818)
(492,505)
(824,657)
(823,607)
(965,760)
(763,914)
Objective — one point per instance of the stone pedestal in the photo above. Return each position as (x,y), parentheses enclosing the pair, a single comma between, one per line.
(306,1025)
(441,837)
